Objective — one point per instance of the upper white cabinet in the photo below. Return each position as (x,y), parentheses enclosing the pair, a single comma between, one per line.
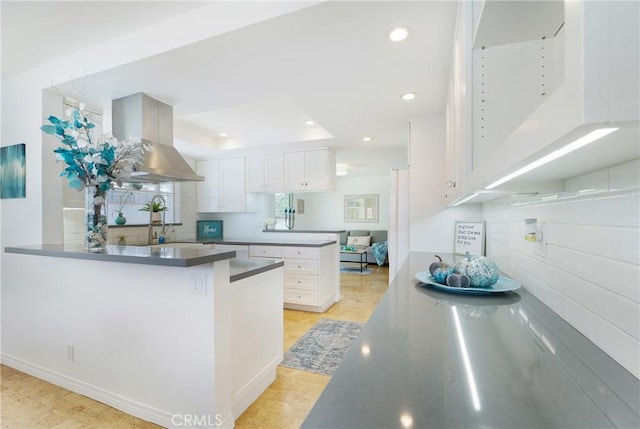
(521,91)
(458,111)
(312,170)
(223,189)
(265,173)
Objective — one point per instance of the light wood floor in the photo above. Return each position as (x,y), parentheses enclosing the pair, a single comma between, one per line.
(31,403)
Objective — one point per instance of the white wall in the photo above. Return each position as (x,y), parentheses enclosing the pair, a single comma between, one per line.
(587,268)
(431,224)
(325,210)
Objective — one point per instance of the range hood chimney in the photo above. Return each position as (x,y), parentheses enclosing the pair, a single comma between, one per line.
(141,116)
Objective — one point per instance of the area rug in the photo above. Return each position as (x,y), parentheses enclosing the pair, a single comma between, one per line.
(321,349)
(355,270)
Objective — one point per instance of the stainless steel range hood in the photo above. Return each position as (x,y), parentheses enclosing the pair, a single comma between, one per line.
(141,116)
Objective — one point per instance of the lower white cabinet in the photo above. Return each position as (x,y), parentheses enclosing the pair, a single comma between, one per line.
(308,274)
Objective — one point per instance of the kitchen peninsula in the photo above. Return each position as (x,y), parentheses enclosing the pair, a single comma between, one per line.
(165,334)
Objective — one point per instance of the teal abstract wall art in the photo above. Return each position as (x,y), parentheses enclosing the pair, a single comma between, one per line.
(13,171)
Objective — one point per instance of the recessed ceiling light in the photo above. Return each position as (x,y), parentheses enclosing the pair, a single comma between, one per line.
(366,139)
(398,34)
(224,135)
(309,122)
(409,96)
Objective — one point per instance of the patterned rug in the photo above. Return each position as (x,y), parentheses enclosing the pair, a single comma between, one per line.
(355,270)
(321,349)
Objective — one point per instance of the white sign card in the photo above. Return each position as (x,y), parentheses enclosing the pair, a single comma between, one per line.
(469,237)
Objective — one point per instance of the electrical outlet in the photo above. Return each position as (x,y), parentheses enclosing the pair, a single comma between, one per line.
(70,352)
(198,284)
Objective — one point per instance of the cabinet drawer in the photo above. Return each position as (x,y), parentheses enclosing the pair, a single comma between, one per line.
(297,296)
(301,281)
(265,251)
(300,252)
(303,266)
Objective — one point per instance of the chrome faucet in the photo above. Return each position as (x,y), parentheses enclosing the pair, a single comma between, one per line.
(164,204)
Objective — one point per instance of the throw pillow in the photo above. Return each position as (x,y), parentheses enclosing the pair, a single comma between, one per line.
(359,241)
(380,252)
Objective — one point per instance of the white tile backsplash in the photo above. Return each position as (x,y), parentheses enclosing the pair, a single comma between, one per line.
(567,285)
(625,176)
(622,312)
(635,209)
(612,210)
(624,244)
(590,183)
(593,298)
(590,275)
(580,210)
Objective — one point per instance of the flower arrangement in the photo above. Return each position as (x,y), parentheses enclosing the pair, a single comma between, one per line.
(92,164)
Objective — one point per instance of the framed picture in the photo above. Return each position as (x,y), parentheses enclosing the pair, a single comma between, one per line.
(13,175)
(361,208)
(208,229)
(469,237)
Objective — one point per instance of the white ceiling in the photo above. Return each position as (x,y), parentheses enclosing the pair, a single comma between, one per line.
(330,63)
(37,32)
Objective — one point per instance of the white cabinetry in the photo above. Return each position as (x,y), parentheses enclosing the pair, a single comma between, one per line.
(308,274)
(223,188)
(256,334)
(560,71)
(313,170)
(458,112)
(265,173)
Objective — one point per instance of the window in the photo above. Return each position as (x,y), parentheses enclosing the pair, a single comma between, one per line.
(131,197)
(281,202)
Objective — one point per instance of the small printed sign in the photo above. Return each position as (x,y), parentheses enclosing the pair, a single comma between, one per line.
(209,229)
(469,237)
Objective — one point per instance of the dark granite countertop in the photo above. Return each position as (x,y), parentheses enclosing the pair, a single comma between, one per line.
(271,242)
(149,255)
(432,359)
(241,268)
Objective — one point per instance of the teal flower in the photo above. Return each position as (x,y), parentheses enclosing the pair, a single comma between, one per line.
(92,162)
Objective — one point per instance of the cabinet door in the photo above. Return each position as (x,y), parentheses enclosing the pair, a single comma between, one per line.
(255,173)
(294,178)
(320,170)
(274,172)
(208,192)
(232,191)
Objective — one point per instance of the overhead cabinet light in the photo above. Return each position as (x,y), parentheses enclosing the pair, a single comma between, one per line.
(463,199)
(577,144)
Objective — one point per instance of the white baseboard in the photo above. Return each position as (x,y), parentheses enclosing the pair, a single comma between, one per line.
(126,405)
(254,388)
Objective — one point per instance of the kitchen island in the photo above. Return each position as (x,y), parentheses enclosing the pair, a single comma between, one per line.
(165,334)
(311,267)
(431,359)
